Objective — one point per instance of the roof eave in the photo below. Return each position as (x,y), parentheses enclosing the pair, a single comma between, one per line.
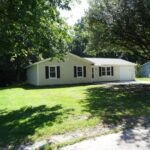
(116,64)
(85,60)
(37,63)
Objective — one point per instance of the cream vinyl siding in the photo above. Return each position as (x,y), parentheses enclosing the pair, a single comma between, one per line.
(66,71)
(32,75)
(116,74)
(36,72)
(98,78)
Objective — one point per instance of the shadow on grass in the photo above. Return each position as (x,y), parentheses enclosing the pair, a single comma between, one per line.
(115,104)
(32,87)
(125,105)
(16,126)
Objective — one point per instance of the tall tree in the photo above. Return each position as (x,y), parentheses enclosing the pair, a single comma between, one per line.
(79,38)
(122,25)
(29,29)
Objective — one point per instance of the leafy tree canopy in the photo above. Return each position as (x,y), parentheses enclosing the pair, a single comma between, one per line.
(120,25)
(30,29)
(79,38)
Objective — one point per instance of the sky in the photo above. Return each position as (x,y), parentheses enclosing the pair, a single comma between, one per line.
(77,11)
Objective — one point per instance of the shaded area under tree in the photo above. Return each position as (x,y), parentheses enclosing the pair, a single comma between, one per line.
(16,126)
(115,104)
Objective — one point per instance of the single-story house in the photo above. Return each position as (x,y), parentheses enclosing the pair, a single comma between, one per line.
(74,69)
(145,70)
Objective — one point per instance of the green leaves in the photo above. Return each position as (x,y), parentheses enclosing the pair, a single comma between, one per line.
(80,38)
(29,29)
(121,25)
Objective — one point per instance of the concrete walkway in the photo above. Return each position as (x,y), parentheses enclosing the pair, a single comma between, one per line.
(128,83)
(133,139)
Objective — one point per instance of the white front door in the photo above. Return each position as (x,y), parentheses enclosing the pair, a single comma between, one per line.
(125,73)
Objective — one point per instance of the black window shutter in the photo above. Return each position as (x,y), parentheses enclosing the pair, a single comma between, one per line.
(112,71)
(84,68)
(58,71)
(100,71)
(46,72)
(75,71)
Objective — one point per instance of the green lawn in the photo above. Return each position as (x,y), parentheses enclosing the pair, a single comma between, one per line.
(29,114)
(143,79)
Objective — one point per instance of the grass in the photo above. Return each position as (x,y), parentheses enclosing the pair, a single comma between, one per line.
(76,140)
(29,113)
(143,79)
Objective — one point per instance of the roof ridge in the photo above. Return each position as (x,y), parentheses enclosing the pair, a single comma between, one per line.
(102,58)
(107,61)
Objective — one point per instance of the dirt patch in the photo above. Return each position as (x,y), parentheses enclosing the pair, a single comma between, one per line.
(102,129)
(80,134)
(89,132)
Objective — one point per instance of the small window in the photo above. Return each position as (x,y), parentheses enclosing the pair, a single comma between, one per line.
(107,71)
(79,71)
(103,71)
(52,72)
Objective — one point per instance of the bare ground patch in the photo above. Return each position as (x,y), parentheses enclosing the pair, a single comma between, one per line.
(78,135)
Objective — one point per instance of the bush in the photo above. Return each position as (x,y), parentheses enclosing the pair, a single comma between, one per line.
(8,77)
(137,71)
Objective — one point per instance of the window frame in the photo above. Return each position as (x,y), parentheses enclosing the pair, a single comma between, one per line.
(55,72)
(106,71)
(110,72)
(103,71)
(77,72)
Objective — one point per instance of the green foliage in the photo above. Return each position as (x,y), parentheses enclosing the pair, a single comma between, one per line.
(29,29)
(120,27)
(80,38)
(138,68)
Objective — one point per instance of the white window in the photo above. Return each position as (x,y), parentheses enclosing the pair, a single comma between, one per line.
(106,71)
(79,71)
(52,72)
(103,71)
